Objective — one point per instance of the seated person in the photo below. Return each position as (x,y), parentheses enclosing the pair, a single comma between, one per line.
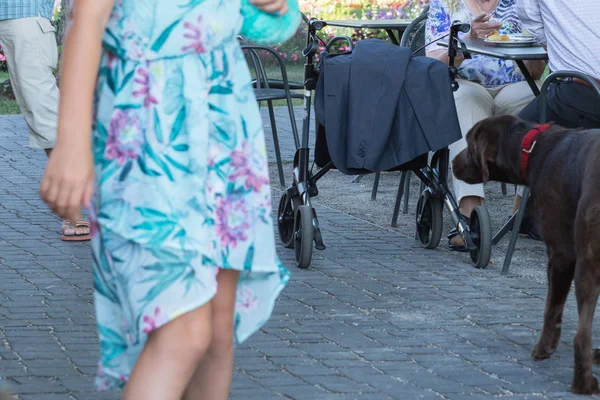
(569,30)
(571,33)
(488,86)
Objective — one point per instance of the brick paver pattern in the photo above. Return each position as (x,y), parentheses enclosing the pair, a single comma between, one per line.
(375,317)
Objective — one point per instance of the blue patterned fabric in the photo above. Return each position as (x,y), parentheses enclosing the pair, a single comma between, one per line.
(182,177)
(488,71)
(13,9)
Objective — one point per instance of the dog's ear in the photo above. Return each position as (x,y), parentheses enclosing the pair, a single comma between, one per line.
(480,146)
(481,152)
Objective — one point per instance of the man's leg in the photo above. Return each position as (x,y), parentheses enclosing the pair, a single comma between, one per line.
(31,54)
(569,104)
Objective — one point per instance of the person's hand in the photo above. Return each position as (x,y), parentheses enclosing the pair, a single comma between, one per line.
(278,7)
(68,181)
(481,26)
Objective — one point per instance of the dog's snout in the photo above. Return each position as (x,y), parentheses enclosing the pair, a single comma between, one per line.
(465,169)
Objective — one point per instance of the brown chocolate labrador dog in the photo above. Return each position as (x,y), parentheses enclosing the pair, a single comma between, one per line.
(562,168)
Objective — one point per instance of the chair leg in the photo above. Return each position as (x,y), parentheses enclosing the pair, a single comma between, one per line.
(406,191)
(375,186)
(276,143)
(401,187)
(504,191)
(515,232)
(294,124)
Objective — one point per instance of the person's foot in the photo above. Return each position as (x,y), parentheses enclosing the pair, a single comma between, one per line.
(75,231)
(455,241)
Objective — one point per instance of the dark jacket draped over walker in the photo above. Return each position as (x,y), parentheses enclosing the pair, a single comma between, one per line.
(382,107)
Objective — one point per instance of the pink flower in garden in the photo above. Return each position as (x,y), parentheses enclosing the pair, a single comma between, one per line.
(124,137)
(195,34)
(231,220)
(246,300)
(295,57)
(143,79)
(152,322)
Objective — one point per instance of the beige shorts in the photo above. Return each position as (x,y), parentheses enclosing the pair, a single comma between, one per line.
(31,54)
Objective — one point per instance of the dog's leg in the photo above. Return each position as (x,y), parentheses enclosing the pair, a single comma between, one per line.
(560,276)
(587,291)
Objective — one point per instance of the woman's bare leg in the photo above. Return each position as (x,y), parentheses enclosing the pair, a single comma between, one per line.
(212,379)
(170,357)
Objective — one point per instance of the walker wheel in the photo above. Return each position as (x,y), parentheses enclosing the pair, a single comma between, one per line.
(285,221)
(481,233)
(304,235)
(430,220)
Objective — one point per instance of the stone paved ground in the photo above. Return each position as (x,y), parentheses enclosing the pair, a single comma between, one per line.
(376,317)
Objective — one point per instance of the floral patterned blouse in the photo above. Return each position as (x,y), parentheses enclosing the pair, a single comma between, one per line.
(488,71)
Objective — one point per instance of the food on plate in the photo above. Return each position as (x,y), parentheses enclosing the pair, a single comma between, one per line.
(497,37)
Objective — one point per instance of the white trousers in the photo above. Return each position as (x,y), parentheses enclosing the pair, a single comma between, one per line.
(475,103)
(29,45)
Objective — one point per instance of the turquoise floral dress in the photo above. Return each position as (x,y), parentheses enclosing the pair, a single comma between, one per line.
(182,176)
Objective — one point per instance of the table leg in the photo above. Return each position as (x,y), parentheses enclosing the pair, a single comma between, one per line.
(528,77)
(393,38)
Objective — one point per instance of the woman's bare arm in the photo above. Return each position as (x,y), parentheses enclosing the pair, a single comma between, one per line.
(79,69)
(68,181)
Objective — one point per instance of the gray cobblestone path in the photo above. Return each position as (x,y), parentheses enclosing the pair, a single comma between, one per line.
(376,317)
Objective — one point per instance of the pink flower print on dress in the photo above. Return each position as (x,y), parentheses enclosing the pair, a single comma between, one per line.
(143,80)
(231,220)
(123,142)
(93,225)
(240,161)
(246,300)
(153,322)
(194,33)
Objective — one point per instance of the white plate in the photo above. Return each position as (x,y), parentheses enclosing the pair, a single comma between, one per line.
(514,40)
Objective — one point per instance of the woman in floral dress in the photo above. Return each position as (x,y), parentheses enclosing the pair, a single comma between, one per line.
(183,246)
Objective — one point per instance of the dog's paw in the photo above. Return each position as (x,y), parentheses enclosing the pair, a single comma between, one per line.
(585,386)
(540,353)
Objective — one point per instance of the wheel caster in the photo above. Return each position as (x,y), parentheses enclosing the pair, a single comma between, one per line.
(430,220)
(480,229)
(285,221)
(304,235)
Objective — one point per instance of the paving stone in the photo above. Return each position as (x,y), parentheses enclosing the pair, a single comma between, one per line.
(374,317)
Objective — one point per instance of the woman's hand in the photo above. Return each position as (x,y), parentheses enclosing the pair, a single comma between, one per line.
(278,7)
(68,181)
(481,27)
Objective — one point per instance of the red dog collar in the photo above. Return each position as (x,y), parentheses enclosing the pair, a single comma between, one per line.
(528,143)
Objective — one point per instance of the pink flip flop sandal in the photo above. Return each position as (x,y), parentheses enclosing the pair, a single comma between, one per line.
(75,238)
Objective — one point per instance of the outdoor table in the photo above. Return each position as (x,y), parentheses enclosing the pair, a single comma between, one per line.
(517,54)
(389,25)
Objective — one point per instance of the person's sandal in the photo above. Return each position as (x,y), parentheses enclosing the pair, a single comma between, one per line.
(461,248)
(74,226)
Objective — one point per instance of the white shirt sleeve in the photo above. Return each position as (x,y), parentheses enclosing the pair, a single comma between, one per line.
(531,18)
